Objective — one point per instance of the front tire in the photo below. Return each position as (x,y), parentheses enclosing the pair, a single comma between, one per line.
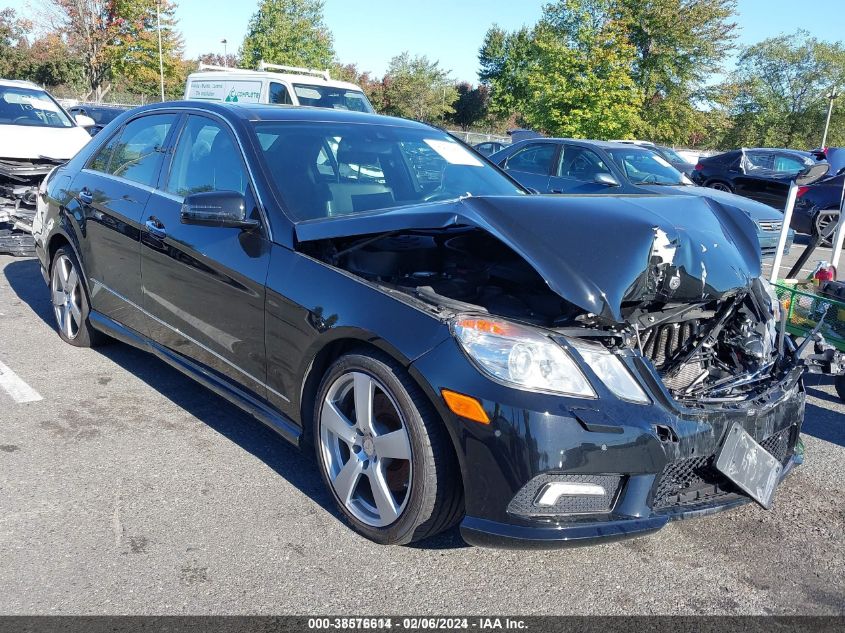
(383,451)
(69,299)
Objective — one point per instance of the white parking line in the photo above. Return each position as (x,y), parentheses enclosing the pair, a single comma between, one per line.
(17,388)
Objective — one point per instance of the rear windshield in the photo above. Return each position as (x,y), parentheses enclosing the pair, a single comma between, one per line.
(331,97)
(102,116)
(28,106)
(325,169)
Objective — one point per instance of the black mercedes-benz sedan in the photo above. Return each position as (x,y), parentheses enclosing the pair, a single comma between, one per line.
(451,348)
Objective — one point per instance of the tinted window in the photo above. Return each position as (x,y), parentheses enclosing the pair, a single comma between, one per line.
(137,152)
(533,159)
(327,169)
(100,161)
(790,164)
(206,159)
(580,163)
(279,94)
(759,160)
(331,97)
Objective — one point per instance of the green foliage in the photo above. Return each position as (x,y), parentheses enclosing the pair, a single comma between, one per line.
(288,32)
(372,87)
(471,105)
(580,83)
(417,88)
(777,95)
(610,67)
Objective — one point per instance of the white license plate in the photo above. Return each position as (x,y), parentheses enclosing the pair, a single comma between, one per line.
(749,466)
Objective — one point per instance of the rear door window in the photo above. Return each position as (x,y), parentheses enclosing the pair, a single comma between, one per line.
(279,94)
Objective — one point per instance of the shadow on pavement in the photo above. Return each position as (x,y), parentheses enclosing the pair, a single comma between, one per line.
(297,467)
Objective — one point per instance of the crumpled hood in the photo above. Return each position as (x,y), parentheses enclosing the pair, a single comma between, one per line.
(600,253)
(30,142)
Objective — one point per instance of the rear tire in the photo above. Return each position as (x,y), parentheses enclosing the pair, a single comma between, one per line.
(383,451)
(69,300)
(824,224)
(721,186)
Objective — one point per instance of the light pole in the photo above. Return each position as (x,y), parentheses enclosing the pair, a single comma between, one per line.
(160,56)
(224,42)
(832,95)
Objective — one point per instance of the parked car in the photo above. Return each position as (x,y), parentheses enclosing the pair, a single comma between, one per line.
(666,153)
(604,167)
(762,174)
(453,348)
(101,114)
(488,148)
(36,134)
(275,84)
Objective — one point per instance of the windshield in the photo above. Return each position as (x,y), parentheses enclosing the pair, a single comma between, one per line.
(29,106)
(324,169)
(331,97)
(644,167)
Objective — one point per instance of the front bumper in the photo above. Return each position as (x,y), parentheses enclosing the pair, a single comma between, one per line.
(660,453)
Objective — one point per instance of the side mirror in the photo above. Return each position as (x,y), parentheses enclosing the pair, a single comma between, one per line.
(217,208)
(606,179)
(83,120)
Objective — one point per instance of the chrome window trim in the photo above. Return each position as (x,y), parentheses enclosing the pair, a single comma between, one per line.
(192,110)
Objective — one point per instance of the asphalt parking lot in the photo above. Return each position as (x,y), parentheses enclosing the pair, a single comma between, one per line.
(127,488)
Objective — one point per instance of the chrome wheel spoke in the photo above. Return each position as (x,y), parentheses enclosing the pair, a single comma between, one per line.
(347,479)
(364,389)
(387,508)
(72,280)
(394,445)
(64,272)
(67,323)
(335,422)
(58,297)
(75,312)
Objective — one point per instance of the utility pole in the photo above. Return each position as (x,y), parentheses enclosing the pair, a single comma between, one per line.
(832,95)
(224,42)
(160,56)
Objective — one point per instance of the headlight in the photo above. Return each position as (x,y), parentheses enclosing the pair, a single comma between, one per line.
(521,356)
(611,371)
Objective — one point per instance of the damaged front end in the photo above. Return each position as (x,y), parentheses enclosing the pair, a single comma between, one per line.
(19,183)
(663,290)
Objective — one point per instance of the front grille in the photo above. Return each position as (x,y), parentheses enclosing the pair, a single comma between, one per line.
(523,502)
(770,226)
(695,481)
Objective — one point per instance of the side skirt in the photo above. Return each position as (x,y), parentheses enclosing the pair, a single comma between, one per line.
(272,418)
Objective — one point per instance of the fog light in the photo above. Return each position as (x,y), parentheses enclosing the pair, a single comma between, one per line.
(550,493)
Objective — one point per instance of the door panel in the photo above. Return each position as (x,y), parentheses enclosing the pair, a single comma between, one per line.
(111,195)
(204,285)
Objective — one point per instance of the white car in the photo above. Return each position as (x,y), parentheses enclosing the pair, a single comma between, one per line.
(291,86)
(36,135)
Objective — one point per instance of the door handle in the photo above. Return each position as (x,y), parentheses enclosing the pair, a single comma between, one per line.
(556,191)
(156,228)
(85,197)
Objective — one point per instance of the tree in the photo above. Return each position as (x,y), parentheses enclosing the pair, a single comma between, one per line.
(134,51)
(372,87)
(13,32)
(610,67)
(231,60)
(471,105)
(417,88)
(678,45)
(90,28)
(288,32)
(777,95)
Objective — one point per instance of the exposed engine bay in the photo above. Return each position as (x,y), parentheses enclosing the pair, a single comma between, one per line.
(712,351)
(19,183)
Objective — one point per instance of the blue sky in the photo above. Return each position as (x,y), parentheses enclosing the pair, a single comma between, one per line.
(370,32)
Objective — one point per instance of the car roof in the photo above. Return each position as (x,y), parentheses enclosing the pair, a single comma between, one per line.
(19,83)
(588,142)
(267,112)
